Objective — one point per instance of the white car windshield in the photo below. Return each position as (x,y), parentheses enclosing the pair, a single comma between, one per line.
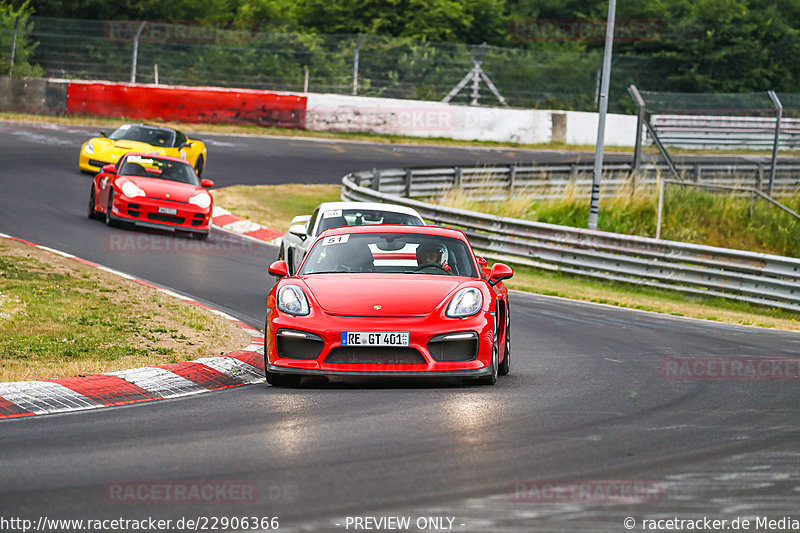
(365,217)
(156,167)
(406,253)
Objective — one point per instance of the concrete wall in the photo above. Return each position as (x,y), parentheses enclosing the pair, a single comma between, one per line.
(582,128)
(328,112)
(319,112)
(32,95)
(187,104)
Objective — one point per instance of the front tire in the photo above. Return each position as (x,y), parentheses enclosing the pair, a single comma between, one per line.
(505,366)
(92,212)
(199,165)
(110,221)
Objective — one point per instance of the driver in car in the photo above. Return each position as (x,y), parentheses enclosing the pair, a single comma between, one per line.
(429,259)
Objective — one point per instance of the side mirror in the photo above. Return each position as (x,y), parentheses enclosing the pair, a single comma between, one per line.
(300,219)
(482,264)
(279,269)
(298,230)
(499,272)
(184,145)
(207,183)
(110,168)
(102,133)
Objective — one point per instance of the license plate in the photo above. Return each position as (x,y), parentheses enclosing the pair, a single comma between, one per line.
(167,210)
(374,338)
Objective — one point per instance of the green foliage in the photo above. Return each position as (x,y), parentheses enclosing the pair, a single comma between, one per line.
(24,48)
(421,48)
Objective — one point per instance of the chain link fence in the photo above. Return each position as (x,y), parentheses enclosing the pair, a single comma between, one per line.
(220,54)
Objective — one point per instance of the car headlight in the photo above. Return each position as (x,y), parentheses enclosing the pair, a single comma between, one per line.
(89,148)
(201,200)
(466,302)
(130,190)
(292,300)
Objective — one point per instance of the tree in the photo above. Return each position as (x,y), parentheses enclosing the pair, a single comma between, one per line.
(23,47)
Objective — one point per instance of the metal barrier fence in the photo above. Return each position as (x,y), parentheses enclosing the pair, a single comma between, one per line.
(542,181)
(245,55)
(763,279)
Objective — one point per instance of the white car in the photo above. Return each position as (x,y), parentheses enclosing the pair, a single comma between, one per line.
(305,228)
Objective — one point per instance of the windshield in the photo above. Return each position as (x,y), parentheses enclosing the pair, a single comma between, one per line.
(405,253)
(364,217)
(145,134)
(155,167)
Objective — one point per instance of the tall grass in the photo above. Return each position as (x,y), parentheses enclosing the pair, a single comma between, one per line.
(690,215)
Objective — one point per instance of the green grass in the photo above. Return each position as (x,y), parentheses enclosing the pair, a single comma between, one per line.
(59,318)
(274,206)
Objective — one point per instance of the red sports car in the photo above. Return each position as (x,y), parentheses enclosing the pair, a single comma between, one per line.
(153,191)
(390,301)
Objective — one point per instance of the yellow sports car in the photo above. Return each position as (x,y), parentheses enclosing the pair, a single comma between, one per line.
(144,138)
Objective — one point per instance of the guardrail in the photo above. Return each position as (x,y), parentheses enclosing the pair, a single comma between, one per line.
(715,132)
(543,181)
(763,279)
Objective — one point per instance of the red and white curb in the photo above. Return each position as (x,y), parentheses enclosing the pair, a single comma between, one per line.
(226,221)
(28,398)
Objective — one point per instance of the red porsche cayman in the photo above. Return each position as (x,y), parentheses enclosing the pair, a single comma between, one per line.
(392,301)
(153,191)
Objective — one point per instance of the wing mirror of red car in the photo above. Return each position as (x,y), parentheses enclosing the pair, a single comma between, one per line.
(110,168)
(279,269)
(207,183)
(500,272)
(483,266)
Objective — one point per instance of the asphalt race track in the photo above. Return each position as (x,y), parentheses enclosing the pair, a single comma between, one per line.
(587,404)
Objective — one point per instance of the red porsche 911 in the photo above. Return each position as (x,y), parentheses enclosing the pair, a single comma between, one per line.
(153,191)
(388,301)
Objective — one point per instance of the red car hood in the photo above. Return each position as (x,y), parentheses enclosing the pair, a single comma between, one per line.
(161,188)
(371,295)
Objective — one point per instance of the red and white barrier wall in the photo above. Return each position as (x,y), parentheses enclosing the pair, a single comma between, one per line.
(316,112)
(187,104)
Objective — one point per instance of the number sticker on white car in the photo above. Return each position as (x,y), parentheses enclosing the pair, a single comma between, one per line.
(336,239)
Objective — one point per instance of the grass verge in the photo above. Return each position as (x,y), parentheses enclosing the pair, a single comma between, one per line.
(275,206)
(60,318)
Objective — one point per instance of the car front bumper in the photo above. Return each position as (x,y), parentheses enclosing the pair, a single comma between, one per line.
(144,212)
(422,331)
